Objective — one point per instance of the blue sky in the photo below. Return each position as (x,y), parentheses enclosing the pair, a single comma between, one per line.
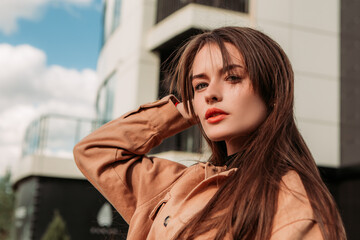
(68,34)
(48,56)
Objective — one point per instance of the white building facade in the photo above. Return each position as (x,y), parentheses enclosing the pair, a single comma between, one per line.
(138,36)
(320,37)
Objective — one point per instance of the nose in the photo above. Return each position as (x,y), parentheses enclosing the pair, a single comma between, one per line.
(213,93)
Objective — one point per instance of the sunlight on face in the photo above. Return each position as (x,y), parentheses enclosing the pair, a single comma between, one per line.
(224,99)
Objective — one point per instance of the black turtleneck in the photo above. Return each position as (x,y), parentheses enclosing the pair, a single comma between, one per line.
(230,159)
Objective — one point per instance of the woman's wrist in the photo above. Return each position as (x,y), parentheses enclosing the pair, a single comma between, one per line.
(181,108)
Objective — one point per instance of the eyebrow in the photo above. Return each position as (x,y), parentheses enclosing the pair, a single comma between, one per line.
(231,67)
(201,75)
(223,70)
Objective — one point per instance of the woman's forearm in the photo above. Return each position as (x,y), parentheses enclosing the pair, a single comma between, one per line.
(112,157)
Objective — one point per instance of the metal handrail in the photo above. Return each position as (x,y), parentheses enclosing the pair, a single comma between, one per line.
(56,134)
(165,7)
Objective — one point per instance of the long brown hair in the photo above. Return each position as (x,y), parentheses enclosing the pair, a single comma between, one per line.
(245,205)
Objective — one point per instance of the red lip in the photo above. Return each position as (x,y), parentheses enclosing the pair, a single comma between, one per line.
(214,115)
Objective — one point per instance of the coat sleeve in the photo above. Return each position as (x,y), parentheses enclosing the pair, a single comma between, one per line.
(113,157)
(301,229)
(294,218)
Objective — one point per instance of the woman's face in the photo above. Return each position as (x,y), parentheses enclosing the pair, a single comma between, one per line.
(224,98)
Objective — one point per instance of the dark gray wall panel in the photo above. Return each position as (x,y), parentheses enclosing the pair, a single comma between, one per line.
(350,82)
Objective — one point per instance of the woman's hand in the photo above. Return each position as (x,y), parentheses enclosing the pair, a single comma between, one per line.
(181,109)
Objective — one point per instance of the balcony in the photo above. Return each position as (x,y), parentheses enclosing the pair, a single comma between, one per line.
(166,7)
(56,135)
(48,144)
(46,179)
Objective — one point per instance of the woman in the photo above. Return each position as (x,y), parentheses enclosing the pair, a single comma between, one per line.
(260,182)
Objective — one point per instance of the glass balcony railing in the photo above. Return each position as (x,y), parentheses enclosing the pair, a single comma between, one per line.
(166,7)
(56,135)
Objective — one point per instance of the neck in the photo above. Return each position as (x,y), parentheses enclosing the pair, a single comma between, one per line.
(234,145)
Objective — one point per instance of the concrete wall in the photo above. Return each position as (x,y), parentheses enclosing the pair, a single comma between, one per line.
(136,69)
(310,35)
(308,32)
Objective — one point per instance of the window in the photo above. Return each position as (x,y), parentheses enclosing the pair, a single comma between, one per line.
(105,100)
(111,18)
(116,16)
(189,140)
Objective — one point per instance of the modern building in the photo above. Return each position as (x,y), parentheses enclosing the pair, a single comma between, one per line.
(47,181)
(321,39)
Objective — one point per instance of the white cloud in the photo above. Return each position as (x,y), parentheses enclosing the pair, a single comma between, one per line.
(13,10)
(29,88)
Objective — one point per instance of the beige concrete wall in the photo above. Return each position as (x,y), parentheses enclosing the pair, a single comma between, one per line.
(309,32)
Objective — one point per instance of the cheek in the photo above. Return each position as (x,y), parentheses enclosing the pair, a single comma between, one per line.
(254,109)
(196,105)
(260,112)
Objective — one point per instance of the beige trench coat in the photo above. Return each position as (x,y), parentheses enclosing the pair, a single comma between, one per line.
(157,196)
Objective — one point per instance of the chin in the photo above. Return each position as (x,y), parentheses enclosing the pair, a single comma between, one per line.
(216,138)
